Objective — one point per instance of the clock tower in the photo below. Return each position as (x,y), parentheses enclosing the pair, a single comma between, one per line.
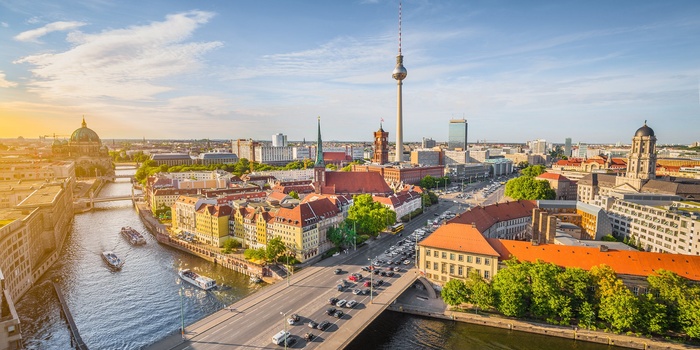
(381,146)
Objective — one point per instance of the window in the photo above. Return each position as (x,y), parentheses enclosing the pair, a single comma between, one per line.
(452,269)
(478,272)
(452,256)
(435,253)
(460,257)
(427,264)
(487,261)
(486,274)
(435,266)
(427,252)
(478,260)
(444,255)
(460,270)
(469,258)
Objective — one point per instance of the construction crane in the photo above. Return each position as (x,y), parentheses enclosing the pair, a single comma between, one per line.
(43,138)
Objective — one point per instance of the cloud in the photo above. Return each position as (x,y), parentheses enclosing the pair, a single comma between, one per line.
(4,83)
(34,34)
(121,63)
(4,24)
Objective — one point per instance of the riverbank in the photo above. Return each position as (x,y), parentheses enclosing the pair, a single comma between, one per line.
(416,302)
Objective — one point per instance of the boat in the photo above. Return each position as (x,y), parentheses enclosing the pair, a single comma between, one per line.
(197,280)
(112,260)
(134,237)
(255,279)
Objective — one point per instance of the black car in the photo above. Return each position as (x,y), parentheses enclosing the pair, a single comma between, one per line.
(338,271)
(390,273)
(365,291)
(313,324)
(339,314)
(376,272)
(340,287)
(383,273)
(380,282)
(323,325)
(330,311)
(332,301)
(291,340)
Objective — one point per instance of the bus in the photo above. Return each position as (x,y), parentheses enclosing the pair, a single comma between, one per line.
(398,227)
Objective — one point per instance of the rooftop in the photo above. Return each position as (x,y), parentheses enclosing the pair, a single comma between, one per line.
(42,196)
(460,238)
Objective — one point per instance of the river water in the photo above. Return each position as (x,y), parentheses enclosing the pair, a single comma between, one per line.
(141,304)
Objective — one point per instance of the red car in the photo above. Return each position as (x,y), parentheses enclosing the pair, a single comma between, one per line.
(367,284)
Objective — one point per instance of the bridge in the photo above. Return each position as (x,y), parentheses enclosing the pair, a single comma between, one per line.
(252,321)
(76,340)
(115,198)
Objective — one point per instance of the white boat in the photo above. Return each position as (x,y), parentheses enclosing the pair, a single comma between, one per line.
(112,260)
(197,280)
(134,237)
(255,279)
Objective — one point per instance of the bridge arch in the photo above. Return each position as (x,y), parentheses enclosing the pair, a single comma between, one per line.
(428,287)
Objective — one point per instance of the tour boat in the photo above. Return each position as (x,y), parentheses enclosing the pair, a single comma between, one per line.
(112,260)
(134,237)
(200,281)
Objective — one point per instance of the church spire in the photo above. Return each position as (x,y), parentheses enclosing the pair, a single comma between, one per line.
(319,148)
(84,123)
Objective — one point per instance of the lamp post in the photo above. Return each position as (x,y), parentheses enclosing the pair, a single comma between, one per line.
(182,315)
(371,283)
(284,322)
(288,272)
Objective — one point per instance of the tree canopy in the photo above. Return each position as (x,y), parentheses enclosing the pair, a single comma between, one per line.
(370,217)
(527,187)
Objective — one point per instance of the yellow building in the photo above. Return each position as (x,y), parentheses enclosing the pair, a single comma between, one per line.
(455,251)
(304,227)
(212,224)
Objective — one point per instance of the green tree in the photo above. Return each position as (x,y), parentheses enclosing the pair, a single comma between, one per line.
(428,182)
(653,318)
(347,168)
(229,245)
(529,188)
(575,283)
(512,288)
(587,316)
(454,292)
(533,170)
(370,217)
(481,294)
(618,306)
(546,296)
(332,167)
(255,254)
(275,247)
(294,194)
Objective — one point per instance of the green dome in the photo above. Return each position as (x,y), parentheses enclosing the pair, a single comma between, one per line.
(85,134)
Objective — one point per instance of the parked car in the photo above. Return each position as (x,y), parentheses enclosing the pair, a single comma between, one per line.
(341,303)
(339,314)
(330,311)
(390,273)
(357,291)
(289,341)
(332,301)
(380,282)
(365,291)
(323,325)
(351,303)
(294,318)
(312,324)
(338,271)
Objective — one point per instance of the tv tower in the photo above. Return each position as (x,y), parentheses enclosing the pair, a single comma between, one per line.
(399,74)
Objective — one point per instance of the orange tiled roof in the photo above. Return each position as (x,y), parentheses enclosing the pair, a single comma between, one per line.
(485,217)
(553,176)
(460,238)
(307,213)
(623,262)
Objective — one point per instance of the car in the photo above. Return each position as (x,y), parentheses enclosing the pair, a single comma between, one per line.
(380,282)
(338,271)
(351,303)
(390,274)
(309,336)
(366,284)
(341,303)
(330,311)
(323,325)
(312,324)
(397,269)
(407,262)
(289,341)
(436,214)
(383,273)
(294,318)
(357,291)
(340,287)
(339,314)
(365,291)
(332,301)
(376,272)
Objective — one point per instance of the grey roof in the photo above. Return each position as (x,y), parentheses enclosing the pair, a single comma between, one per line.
(218,155)
(168,156)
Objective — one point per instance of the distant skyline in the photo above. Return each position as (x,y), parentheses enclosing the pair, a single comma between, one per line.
(517,71)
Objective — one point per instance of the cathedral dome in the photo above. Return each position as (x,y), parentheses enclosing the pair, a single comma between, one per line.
(644,131)
(84,134)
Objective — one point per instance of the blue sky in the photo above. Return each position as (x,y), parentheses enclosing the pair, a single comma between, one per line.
(516,70)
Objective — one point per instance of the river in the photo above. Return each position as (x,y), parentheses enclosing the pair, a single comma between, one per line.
(139,305)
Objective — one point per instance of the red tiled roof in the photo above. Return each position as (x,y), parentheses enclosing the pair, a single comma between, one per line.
(335,199)
(553,176)
(216,210)
(334,156)
(343,182)
(485,217)
(307,213)
(623,262)
(460,238)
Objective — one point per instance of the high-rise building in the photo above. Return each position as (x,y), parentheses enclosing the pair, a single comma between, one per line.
(567,147)
(399,74)
(582,150)
(538,146)
(428,143)
(457,138)
(279,140)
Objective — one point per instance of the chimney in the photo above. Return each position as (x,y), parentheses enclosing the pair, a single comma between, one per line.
(535,223)
(603,248)
(542,228)
(551,229)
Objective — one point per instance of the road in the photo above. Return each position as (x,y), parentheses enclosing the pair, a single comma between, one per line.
(252,321)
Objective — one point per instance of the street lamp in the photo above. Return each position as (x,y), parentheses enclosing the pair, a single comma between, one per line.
(371,282)
(182,315)
(288,269)
(284,322)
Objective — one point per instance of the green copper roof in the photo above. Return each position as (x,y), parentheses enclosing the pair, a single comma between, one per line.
(319,148)
(84,134)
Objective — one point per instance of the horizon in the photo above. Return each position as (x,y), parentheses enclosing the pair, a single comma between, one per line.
(590,71)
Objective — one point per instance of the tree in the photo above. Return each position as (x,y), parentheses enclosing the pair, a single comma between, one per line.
(255,254)
(512,288)
(529,188)
(275,247)
(229,245)
(347,168)
(370,217)
(653,318)
(533,170)
(618,306)
(341,235)
(575,283)
(294,194)
(332,167)
(481,294)
(454,292)
(546,296)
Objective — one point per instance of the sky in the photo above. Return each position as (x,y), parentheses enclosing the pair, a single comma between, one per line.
(227,69)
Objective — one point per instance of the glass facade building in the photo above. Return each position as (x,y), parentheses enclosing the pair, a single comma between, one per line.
(457,138)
